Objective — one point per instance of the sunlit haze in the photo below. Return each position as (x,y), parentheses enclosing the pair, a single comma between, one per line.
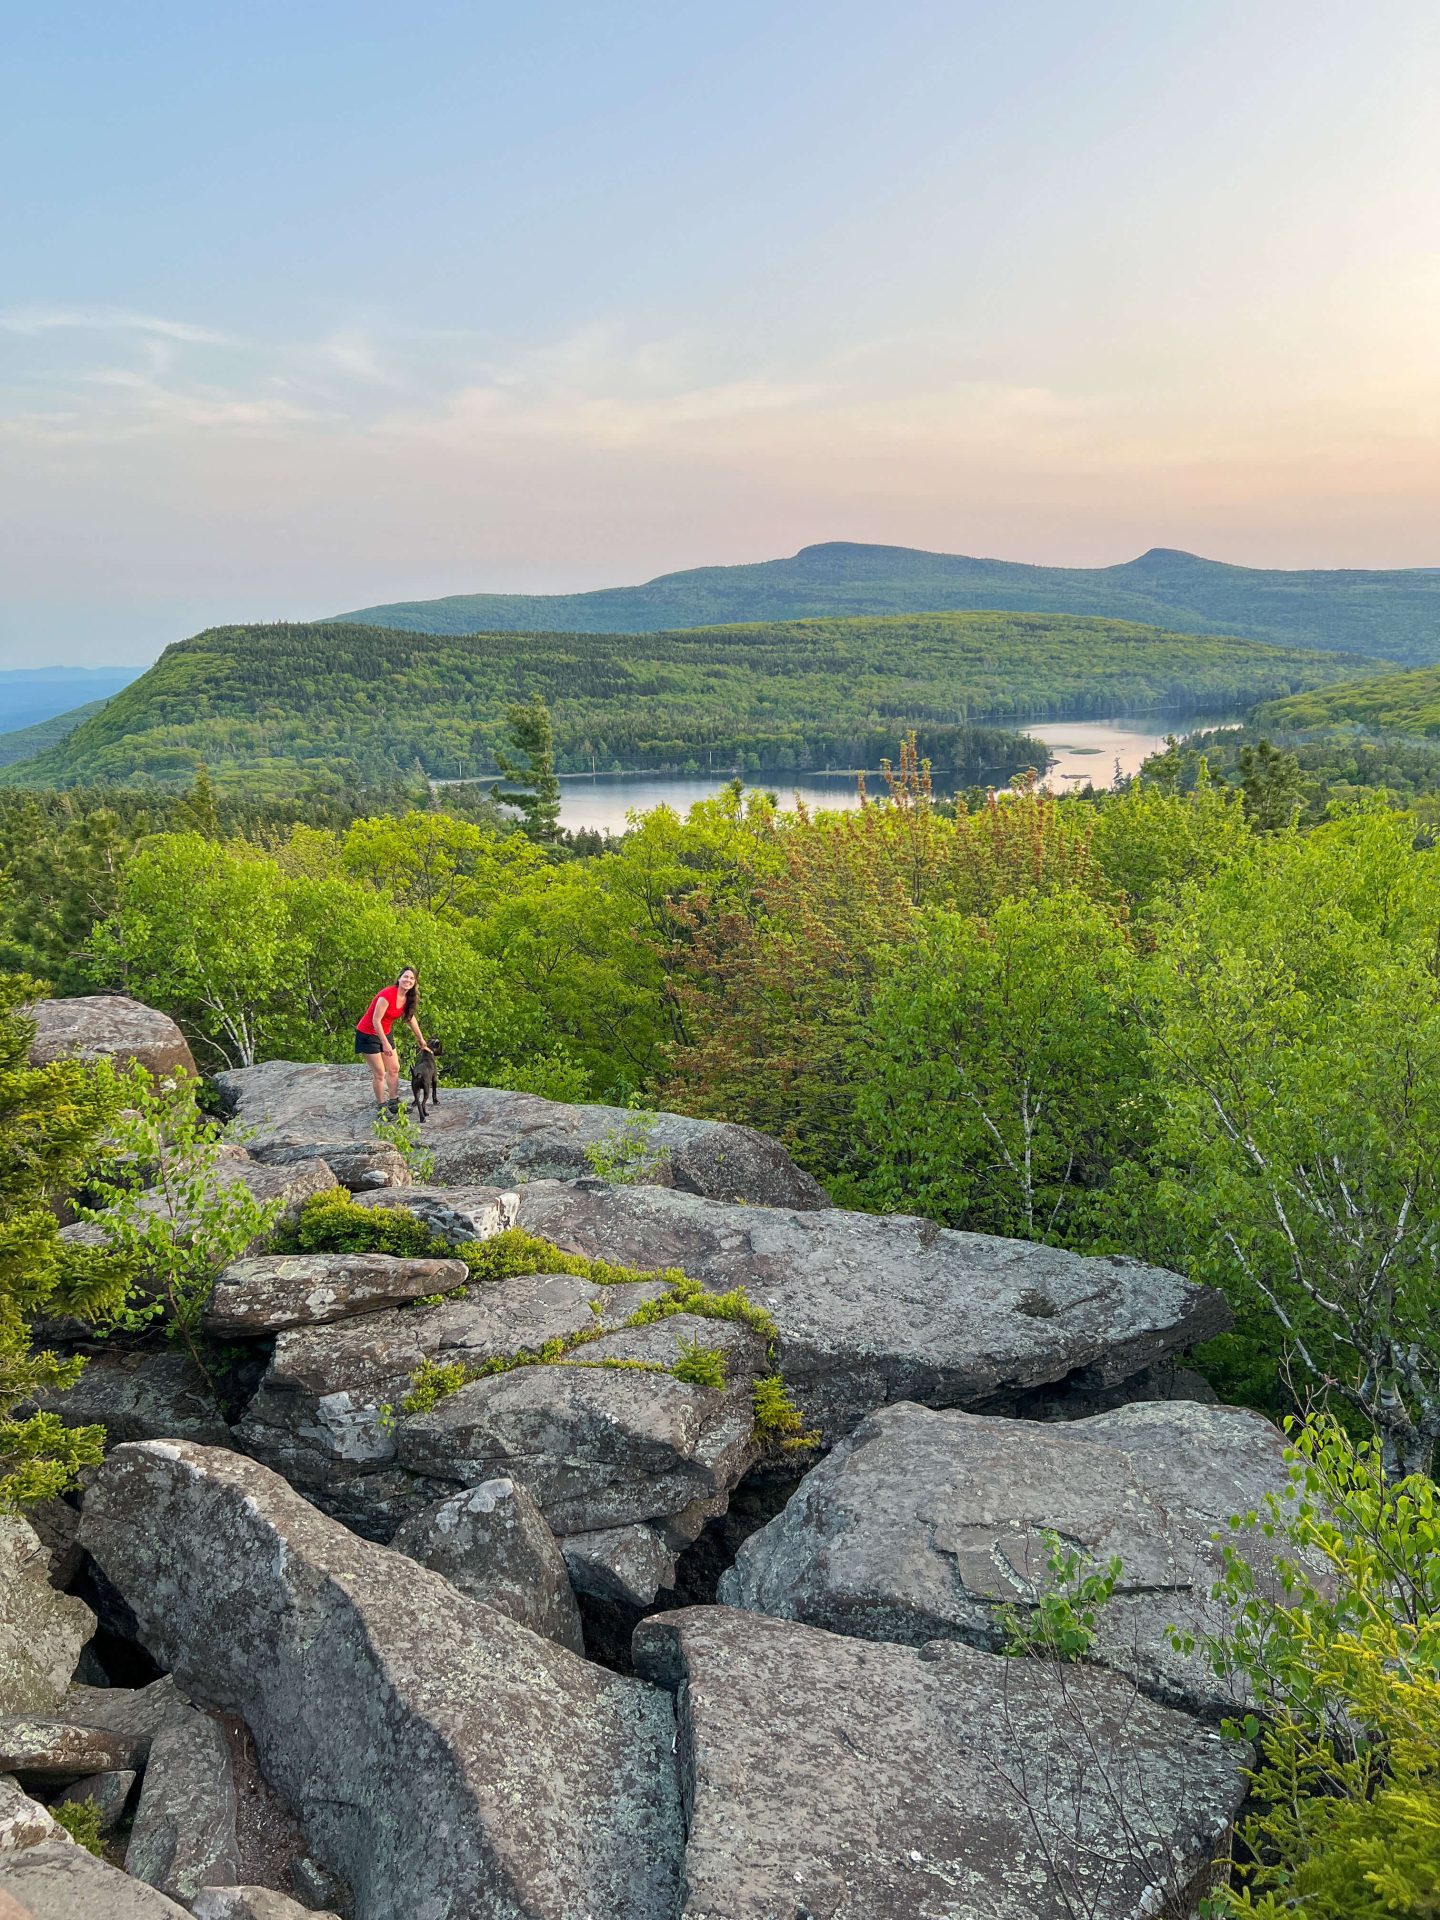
(308,308)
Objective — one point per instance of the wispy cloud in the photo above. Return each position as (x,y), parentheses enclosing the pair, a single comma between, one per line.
(38,320)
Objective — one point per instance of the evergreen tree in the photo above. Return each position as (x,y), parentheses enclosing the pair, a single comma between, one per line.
(1273,786)
(50,1119)
(535,790)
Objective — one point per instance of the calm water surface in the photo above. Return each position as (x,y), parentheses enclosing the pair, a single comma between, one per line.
(1082,749)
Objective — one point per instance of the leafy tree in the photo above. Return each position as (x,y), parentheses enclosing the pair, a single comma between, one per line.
(50,1119)
(1273,786)
(1296,1025)
(1002,1072)
(535,792)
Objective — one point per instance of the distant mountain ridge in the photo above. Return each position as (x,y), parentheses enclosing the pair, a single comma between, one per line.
(1391,615)
(29,695)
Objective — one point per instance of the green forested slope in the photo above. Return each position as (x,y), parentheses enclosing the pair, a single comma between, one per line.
(1393,615)
(1405,704)
(25,742)
(798,694)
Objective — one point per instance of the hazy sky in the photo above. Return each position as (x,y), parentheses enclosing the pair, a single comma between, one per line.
(304,307)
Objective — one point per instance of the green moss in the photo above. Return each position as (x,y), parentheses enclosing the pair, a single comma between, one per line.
(778,1421)
(331,1222)
(699,1366)
(81,1820)
(431,1383)
(688,1296)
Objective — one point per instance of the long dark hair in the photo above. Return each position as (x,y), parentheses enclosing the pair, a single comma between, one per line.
(412,998)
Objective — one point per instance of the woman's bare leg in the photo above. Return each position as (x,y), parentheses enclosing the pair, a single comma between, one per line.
(376,1064)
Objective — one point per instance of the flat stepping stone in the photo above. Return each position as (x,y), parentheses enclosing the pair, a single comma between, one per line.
(272,1292)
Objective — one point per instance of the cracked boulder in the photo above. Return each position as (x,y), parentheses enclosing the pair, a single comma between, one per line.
(492,1134)
(875,1308)
(41,1631)
(442,1759)
(492,1542)
(272,1292)
(837,1777)
(108,1026)
(330,1407)
(923,1525)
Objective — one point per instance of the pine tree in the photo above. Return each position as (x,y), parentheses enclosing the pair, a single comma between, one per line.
(50,1119)
(534,791)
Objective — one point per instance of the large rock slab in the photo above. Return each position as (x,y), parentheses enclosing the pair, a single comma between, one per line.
(274,1291)
(59,1750)
(142,1396)
(184,1836)
(444,1760)
(872,1308)
(455,1213)
(58,1880)
(491,1134)
(926,1524)
(41,1631)
(359,1165)
(836,1777)
(108,1026)
(492,1542)
(601,1445)
(328,1410)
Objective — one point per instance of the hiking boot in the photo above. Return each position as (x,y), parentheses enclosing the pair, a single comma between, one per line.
(392,1107)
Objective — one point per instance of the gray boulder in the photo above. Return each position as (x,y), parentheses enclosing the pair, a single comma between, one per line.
(598,1444)
(832,1776)
(142,1396)
(872,1308)
(628,1565)
(41,1631)
(184,1834)
(136,1713)
(923,1525)
(358,1165)
(108,1793)
(58,1750)
(58,1880)
(493,1544)
(108,1026)
(442,1759)
(491,1134)
(455,1213)
(274,1291)
(251,1903)
(329,1408)
(23,1821)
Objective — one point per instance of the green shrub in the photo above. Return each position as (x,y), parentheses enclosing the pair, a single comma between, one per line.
(432,1382)
(331,1222)
(81,1820)
(699,1366)
(778,1421)
(1061,1626)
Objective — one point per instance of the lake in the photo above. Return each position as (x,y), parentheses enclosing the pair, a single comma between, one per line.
(1082,750)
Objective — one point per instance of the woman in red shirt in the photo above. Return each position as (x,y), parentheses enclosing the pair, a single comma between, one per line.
(372,1035)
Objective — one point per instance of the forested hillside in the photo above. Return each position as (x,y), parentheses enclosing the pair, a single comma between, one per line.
(25,742)
(371,703)
(1406,704)
(1394,615)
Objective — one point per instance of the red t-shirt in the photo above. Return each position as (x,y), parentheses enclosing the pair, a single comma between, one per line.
(389,1001)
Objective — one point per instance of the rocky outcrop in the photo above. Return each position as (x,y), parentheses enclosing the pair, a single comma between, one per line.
(58,1880)
(108,1793)
(41,1631)
(492,1135)
(141,1395)
(492,1543)
(107,1026)
(23,1821)
(455,1213)
(832,1776)
(926,1524)
(331,1405)
(272,1292)
(184,1836)
(442,1758)
(872,1308)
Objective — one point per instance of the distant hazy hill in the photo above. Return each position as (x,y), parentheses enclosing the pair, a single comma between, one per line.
(26,742)
(1394,615)
(1391,703)
(362,702)
(30,694)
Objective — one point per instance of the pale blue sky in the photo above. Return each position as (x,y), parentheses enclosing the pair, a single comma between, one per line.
(303,306)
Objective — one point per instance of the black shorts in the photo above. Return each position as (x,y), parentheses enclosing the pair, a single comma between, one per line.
(367,1043)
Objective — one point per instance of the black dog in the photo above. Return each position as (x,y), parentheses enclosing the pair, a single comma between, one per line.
(425,1079)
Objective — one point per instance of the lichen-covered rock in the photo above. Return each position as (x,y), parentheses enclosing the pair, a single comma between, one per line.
(108,1026)
(492,1134)
(41,1631)
(925,1524)
(184,1836)
(330,1405)
(58,1880)
(492,1542)
(874,1308)
(359,1165)
(444,1760)
(142,1396)
(251,1903)
(274,1291)
(628,1565)
(23,1822)
(44,1749)
(455,1213)
(832,1776)
(603,1440)
(136,1713)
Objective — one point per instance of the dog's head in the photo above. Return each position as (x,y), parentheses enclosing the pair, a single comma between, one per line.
(434,1048)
